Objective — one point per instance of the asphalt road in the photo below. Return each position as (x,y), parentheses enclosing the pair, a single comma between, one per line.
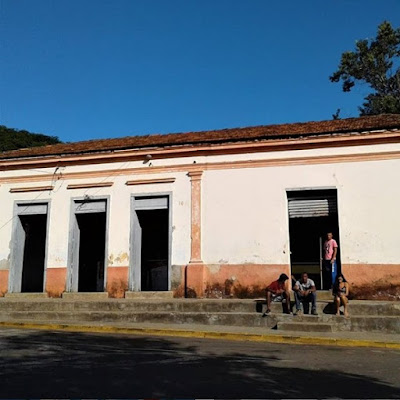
(42,364)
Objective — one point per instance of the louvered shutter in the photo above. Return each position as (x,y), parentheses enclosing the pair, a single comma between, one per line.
(317,206)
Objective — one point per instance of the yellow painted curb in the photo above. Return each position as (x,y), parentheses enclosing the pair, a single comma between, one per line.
(284,339)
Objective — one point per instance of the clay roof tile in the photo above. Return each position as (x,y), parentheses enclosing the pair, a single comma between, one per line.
(264,132)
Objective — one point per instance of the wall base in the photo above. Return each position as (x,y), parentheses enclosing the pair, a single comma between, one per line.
(230,280)
(373,281)
(56,279)
(117,281)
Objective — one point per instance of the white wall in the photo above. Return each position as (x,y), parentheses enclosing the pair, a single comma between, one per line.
(244,211)
(119,217)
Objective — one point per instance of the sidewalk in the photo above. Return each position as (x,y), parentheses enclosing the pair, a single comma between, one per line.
(256,334)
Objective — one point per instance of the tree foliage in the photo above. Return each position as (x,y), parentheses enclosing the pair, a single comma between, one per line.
(375,62)
(11,139)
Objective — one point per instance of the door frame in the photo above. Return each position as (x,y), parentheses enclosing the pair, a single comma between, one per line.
(310,189)
(134,283)
(73,269)
(17,253)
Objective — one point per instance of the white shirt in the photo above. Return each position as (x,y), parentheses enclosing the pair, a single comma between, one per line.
(305,286)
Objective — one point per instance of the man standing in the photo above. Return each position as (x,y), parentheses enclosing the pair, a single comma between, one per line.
(329,269)
(305,292)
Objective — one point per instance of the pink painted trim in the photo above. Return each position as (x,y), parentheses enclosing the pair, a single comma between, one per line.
(195,255)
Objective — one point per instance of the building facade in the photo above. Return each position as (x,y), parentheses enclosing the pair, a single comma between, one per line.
(207,214)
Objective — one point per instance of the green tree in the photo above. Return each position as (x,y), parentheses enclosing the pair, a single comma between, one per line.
(375,62)
(11,139)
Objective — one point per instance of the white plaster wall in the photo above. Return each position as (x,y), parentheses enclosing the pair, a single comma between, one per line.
(7,218)
(53,174)
(244,211)
(245,218)
(6,222)
(119,216)
(369,218)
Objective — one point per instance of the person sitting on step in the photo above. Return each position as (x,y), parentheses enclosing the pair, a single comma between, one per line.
(278,291)
(305,292)
(341,293)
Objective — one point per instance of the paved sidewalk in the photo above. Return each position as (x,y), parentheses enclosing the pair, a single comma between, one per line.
(345,339)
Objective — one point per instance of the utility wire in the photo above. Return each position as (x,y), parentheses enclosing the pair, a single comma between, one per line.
(107,177)
(53,180)
(16,215)
(36,198)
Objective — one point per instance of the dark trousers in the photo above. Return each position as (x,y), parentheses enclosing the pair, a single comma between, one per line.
(306,300)
(327,274)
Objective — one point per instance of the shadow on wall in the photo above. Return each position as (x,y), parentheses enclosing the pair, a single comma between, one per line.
(100,366)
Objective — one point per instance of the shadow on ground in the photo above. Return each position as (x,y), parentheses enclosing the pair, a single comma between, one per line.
(39,364)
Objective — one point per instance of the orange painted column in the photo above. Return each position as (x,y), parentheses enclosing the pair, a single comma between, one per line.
(195,254)
(56,279)
(3,282)
(195,270)
(117,281)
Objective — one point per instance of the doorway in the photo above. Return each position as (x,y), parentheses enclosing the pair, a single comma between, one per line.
(88,246)
(150,245)
(312,213)
(92,243)
(29,248)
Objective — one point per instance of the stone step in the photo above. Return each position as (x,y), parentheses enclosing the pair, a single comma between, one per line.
(304,327)
(384,324)
(356,323)
(149,295)
(25,296)
(325,295)
(193,305)
(229,319)
(182,305)
(88,296)
(356,307)
(73,303)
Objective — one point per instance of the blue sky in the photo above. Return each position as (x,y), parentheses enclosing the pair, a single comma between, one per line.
(107,68)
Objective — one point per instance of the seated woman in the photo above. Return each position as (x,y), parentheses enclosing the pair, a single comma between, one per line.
(341,293)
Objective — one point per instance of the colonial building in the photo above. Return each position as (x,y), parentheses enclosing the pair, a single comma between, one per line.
(204,214)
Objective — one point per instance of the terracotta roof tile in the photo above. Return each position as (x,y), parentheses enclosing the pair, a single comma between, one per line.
(264,132)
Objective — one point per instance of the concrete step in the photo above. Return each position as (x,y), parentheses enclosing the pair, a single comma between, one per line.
(229,319)
(88,296)
(79,303)
(356,323)
(221,318)
(183,305)
(149,295)
(346,338)
(25,296)
(385,324)
(325,295)
(356,307)
(304,327)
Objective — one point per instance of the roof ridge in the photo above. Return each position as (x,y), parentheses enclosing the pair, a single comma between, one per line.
(258,132)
